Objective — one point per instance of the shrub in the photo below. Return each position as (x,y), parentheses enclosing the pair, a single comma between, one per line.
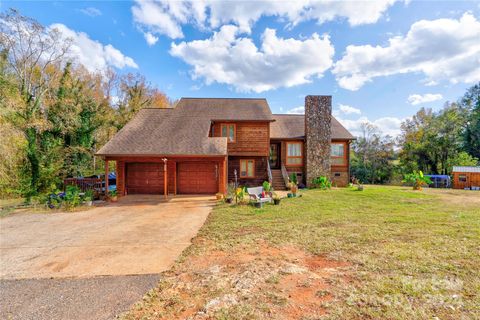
(240,195)
(88,196)
(417,180)
(322,182)
(231,190)
(293,178)
(72,197)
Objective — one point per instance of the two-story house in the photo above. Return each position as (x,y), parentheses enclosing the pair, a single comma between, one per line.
(200,145)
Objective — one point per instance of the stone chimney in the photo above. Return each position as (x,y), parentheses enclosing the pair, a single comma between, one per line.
(318,136)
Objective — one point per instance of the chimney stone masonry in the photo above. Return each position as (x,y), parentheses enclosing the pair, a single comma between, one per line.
(318,137)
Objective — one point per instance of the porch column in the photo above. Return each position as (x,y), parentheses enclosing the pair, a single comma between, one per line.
(175,178)
(106,176)
(165,178)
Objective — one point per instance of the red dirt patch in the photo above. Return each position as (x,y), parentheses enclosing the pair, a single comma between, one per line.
(271,282)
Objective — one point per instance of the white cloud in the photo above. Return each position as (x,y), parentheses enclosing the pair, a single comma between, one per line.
(92,54)
(150,38)
(233,60)
(415,99)
(386,125)
(91,11)
(297,110)
(348,109)
(168,16)
(443,49)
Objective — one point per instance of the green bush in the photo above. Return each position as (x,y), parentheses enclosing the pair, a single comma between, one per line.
(88,196)
(322,182)
(266,186)
(293,178)
(417,180)
(72,197)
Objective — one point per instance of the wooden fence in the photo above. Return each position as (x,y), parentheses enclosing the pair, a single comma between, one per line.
(84,184)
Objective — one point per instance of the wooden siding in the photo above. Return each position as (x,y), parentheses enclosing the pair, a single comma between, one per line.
(473,180)
(344,169)
(251,138)
(261,174)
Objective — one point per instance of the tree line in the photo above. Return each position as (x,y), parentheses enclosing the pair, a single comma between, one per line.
(55,114)
(430,141)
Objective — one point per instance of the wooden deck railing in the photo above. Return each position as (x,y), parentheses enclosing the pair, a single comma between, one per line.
(269,171)
(285,176)
(84,184)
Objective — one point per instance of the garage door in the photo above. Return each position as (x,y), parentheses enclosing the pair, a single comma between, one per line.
(197,178)
(144,178)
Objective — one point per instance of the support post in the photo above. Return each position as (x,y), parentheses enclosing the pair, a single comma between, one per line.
(106,177)
(165,178)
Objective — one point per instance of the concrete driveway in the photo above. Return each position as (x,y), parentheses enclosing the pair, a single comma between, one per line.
(93,264)
(137,235)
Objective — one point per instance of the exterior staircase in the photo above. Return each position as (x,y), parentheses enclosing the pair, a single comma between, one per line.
(277,180)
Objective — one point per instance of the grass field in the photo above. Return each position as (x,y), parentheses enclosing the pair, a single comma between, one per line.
(384,253)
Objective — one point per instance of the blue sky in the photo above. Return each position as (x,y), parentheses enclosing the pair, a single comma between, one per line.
(381,61)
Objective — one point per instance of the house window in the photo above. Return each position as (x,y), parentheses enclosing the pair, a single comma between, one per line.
(337,154)
(228,130)
(462,178)
(294,154)
(247,168)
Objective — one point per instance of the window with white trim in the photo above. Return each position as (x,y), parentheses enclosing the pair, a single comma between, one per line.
(294,154)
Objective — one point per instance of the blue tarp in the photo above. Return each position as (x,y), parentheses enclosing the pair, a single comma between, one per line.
(439,180)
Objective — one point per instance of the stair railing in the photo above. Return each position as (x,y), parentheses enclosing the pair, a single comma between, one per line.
(269,172)
(285,176)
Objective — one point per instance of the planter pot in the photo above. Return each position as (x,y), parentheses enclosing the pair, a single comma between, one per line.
(88,203)
(276,202)
(114,199)
(228,200)
(258,204)
(290,195)
(219,196)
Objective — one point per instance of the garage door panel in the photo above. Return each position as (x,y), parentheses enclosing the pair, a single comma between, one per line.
(197,178)
(144,178)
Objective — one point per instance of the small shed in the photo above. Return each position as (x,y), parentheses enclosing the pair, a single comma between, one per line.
(466,177)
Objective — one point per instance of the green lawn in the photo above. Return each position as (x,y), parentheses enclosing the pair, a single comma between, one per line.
(407,255)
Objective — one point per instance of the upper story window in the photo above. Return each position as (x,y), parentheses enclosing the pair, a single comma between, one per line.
(228,130)
(294,154)
(337,154)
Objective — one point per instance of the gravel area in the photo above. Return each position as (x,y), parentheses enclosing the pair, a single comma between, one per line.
(97,298)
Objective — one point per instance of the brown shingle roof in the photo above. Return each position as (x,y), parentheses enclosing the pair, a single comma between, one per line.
(183,130)
(292,126)
(225,109)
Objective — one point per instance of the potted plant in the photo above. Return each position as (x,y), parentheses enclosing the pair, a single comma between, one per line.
(293,184)
(267,187)
(417,179)
(113,195)
(88,198)
(276,199)
(219,196)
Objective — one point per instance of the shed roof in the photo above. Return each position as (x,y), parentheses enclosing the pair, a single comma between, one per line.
(292,126)
(466,169)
